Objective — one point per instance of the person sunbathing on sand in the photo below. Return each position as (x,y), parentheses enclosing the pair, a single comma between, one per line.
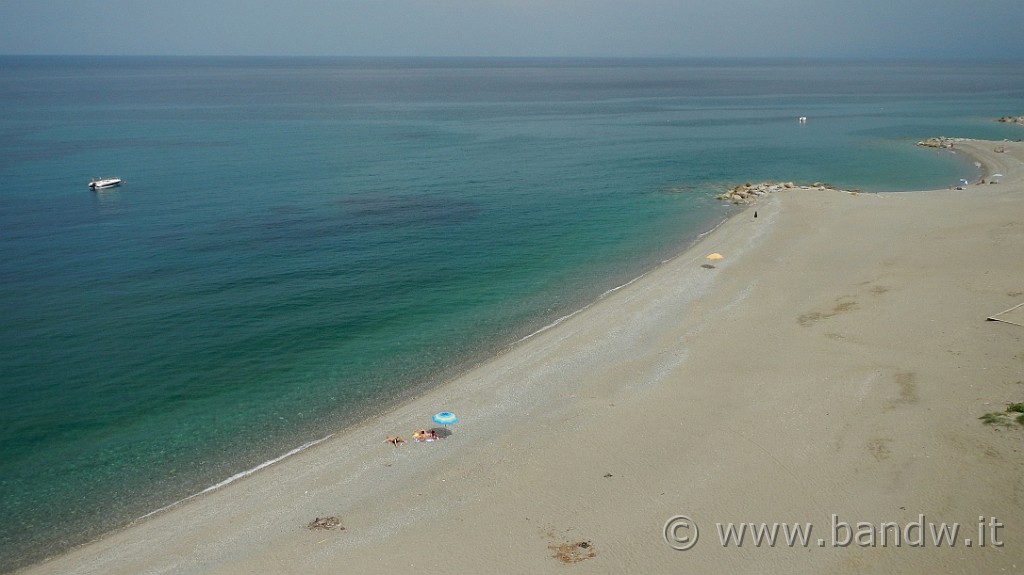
(424,435)
(394,440)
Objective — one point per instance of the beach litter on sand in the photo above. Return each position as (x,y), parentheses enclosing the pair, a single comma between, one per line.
(1013,316)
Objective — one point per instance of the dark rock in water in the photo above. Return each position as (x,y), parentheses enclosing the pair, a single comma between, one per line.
(748,193)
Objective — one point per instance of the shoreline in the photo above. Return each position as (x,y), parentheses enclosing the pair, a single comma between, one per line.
(403,397)
(602,357)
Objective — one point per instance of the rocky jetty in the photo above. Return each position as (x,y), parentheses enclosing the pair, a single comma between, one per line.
(1011,120)
(940,142)
(748,193)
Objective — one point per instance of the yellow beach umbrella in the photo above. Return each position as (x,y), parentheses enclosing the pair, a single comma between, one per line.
(715,256)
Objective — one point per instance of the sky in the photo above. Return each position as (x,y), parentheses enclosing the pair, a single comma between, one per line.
(489,28)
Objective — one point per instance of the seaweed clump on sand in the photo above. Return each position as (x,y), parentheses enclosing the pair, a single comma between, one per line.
(573,552)
(325,524)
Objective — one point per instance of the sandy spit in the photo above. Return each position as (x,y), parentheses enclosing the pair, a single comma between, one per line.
(830,370)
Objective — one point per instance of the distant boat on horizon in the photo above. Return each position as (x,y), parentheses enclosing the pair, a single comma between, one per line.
(101,183)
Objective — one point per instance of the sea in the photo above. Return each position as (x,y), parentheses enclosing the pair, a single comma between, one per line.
(301,243)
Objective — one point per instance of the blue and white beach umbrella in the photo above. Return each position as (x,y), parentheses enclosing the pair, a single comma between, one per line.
(445,418)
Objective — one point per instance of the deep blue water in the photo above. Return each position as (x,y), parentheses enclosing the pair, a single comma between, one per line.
(301,240)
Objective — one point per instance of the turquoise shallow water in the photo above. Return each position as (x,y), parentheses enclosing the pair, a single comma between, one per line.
(302,240)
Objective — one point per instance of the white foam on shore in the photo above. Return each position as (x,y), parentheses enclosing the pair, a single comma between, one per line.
(718,225)
(613,290)
(240,475)
(549,326)
(582,309)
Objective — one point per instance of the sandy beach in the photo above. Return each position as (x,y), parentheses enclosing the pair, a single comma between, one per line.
(829,371)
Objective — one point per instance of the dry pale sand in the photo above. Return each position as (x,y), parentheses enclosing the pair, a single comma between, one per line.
(836,361)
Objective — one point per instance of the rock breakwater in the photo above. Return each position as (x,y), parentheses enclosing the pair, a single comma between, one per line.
(748,193)
(941,142)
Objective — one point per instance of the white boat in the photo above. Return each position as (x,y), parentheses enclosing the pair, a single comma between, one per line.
(99,184)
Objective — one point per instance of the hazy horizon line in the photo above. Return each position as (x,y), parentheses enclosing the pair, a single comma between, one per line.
(820,58)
